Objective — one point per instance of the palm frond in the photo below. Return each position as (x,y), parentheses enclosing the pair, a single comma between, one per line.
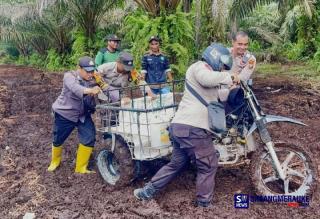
(268,36)
(289,26)
(89,13)
(154,7)
(241,8)
(309,6)
(176,31)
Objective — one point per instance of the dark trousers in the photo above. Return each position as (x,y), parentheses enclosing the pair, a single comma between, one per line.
(63,127)
(190,143)
(235,100)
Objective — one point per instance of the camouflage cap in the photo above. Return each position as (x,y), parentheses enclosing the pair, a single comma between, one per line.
(154,38)
(112,37)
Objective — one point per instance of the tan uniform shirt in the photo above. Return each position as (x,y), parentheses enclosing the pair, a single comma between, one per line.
(112,77)
(244,67)
(206,82)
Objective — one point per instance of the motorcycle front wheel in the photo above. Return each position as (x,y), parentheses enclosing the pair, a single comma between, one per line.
(300,171)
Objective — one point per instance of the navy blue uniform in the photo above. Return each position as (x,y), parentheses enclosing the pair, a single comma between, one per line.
(156,67)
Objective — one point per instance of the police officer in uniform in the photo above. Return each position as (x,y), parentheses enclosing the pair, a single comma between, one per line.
(73,108)
(244,64)
(116,75)
(189,130)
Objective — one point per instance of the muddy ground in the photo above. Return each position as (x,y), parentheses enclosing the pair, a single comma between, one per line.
(26,96)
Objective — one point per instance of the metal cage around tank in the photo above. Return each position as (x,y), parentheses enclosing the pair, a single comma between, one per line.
(142,121)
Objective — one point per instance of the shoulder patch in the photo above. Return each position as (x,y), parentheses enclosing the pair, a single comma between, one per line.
(251,61)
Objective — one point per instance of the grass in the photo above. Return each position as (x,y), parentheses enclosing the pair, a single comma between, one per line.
(301,71)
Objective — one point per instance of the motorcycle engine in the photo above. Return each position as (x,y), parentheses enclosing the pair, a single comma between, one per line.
(230,148)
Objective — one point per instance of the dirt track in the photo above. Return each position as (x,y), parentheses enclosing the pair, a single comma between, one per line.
(26,96)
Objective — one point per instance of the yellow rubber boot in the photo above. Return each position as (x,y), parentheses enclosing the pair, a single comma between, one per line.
(55,158)
(83,156)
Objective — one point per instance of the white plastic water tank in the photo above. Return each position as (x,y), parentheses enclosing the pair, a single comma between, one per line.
(158,133)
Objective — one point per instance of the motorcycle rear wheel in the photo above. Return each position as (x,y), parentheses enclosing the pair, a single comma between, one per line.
(301,173)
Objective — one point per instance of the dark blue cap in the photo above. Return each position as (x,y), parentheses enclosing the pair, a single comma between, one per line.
(127,60)
(87,63)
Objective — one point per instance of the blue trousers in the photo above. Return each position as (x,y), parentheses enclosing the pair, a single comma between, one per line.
(163,90)
(63,127)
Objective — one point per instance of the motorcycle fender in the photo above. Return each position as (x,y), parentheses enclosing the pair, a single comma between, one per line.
(272,118)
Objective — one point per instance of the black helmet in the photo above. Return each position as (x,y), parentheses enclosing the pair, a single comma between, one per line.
(217,56)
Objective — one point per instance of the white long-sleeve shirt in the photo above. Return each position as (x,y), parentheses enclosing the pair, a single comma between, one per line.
(244,67)
(205,82)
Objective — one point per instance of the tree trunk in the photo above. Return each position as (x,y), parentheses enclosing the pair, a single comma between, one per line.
(234,26)
(187,6)
(198,24)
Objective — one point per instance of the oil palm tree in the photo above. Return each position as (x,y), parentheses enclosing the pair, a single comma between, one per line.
(55,24)
(241,8)
(12,33)
(89,13)
(154,7)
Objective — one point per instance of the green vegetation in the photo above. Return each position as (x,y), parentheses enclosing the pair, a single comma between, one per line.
(55,33)
(176,32)
(297,70)
(305,72)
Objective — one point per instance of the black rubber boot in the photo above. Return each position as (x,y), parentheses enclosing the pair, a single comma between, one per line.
(145,193)
(202,204)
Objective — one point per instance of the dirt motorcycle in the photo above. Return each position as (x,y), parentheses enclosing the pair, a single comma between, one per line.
(139,133)
(276,168)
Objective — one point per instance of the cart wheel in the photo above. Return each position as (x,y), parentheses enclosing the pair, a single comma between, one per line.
(116,168)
